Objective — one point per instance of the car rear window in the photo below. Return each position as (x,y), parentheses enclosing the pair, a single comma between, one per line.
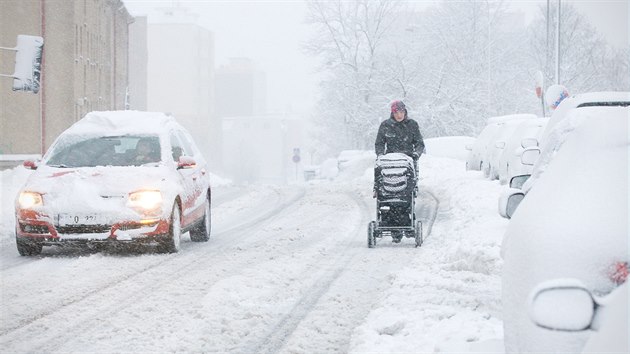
(604,104)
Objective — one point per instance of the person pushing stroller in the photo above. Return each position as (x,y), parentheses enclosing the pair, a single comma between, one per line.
(398,146)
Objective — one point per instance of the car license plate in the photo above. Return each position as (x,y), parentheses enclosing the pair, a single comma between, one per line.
(80,219)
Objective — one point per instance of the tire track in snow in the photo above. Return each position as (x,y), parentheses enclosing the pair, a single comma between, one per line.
(349,294)
(428,214)
(279,333)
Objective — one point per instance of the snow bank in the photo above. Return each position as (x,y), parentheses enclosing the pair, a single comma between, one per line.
(356,165)
(448,299)
(216,181)
(453,147)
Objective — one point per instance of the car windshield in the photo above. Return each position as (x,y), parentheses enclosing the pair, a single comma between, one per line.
(128,150)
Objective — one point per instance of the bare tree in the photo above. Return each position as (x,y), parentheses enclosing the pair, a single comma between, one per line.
(588,63)
(350,40)
(455,65)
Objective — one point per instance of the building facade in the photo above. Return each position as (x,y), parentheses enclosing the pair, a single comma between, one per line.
(241,89)
(138,59)
(84,67)
(181,76)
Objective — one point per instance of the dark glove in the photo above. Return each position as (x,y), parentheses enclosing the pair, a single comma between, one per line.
(416,156)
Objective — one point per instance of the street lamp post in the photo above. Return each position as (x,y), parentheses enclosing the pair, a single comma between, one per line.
(558,45)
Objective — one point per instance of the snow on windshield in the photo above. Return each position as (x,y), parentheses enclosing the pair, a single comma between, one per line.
(91,151)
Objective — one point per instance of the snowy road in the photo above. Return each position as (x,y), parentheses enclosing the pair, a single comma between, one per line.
(286,270)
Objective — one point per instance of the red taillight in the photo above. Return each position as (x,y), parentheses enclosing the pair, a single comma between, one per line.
(619,272)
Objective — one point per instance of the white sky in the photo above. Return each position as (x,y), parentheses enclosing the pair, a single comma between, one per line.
(272,34)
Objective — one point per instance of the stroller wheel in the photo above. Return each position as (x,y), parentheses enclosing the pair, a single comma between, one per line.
(418,232)
(370,236)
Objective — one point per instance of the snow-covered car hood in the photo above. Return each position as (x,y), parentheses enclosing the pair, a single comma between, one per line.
(87,187)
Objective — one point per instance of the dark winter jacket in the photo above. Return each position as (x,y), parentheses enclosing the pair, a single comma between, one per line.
(401,136)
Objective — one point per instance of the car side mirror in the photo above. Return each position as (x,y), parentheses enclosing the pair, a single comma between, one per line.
(30,164)
(186,162)
(519,181)
(562,305)
(529,142)
(530,156)
(500,144)
(509,202)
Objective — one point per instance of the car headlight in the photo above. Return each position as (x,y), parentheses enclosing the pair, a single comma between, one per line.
(30,199)
(145,200)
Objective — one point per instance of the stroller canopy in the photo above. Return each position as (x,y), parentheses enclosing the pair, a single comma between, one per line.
(395,174)
(395,160)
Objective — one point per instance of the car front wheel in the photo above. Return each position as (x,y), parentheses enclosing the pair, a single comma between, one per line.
(28,248)
(172,243)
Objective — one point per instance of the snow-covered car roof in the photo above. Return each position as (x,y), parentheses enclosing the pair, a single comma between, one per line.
(122,123)
(558,135)
(584,100)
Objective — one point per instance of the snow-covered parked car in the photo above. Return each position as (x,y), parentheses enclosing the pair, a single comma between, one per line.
(567,305)
(116,177)
(453,147)
(311,172)
(498,145)
(527,134)
(572,224)
(478,155)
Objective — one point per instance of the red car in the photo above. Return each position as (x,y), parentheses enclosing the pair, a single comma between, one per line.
(116,177)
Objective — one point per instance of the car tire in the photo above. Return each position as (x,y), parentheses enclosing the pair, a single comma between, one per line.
(172,242)
(201,232)
(28,248)
(486,170)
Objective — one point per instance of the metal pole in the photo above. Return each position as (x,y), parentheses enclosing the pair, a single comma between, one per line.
(547,46)
(558,45)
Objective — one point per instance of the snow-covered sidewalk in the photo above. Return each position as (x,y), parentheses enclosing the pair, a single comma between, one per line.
(448,299)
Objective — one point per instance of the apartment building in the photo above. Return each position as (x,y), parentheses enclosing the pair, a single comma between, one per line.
(85,67)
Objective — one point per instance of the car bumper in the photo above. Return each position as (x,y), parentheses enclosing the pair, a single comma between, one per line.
(37,228)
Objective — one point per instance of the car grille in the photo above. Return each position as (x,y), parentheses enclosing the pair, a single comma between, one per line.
(126,227)
(83,229)
(34,229)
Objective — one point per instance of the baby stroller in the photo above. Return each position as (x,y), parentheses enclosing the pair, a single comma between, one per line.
(395,192)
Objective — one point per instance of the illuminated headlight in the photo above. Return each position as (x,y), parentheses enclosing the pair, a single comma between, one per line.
(30,199)
(145,200)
